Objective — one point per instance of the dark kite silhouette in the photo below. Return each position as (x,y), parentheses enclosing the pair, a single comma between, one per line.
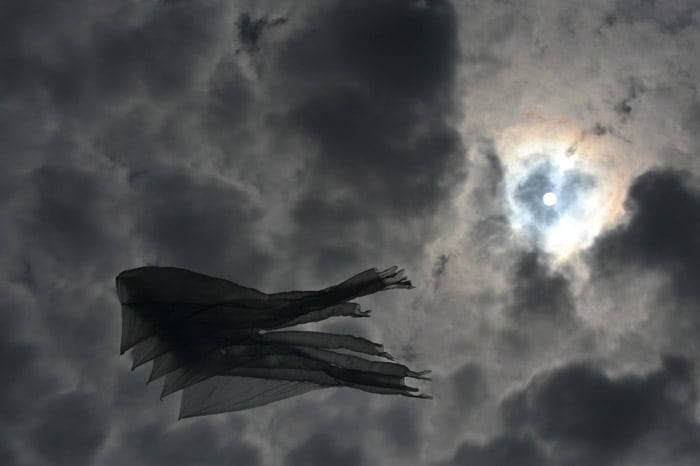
(221,343)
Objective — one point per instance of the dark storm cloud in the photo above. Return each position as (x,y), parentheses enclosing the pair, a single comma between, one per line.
(198,221)
(112,58)
(506,450)
(370,84)
(194,443)
(228,103)
(25,379)
(588,417)
(541,310)
(660,240)
(322,449)
(469,385)
(97,109)
(538,292)
(151,56)
(662,234)
(71,429)
(400,426)
(78,82)
(71,220)
(118,100)
(323,218)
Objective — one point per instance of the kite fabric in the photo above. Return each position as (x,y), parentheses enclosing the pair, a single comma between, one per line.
(224,345)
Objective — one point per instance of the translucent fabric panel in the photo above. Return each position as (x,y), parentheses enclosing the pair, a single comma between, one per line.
(223,394)
(225,345)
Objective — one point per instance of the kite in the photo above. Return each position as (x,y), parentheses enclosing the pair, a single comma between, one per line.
(226,346)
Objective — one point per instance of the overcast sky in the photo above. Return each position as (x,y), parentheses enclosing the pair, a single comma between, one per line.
(289,145)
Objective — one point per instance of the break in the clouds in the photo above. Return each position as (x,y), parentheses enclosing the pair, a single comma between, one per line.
(284,146)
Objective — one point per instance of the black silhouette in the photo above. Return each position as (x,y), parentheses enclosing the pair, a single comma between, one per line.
(220,343)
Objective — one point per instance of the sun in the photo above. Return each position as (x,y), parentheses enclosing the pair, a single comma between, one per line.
(562,186)
(549,199)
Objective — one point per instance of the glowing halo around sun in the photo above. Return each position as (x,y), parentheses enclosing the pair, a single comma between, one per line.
(563,185)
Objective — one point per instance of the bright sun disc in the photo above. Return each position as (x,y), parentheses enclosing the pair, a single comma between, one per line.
(549,199)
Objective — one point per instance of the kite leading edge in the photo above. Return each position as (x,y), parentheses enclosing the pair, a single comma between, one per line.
(224,345)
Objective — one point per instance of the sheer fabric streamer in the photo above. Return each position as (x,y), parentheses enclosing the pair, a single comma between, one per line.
(225,345)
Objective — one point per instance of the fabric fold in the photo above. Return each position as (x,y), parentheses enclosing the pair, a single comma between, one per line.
(227,347)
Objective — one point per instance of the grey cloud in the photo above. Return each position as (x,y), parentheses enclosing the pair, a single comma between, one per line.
(659,240)
(370,85)
(25,379)
(251,30)
(439,269)
(635,90)
(329,224)
(229,102)
(668,20)
(539,293)
(115,168)
(401,426)
(661,233)
(584,416)
(589,417)
(322,449)
(71,219)
(600,130)
(113,57)
(515,451)
(7,456)
(193,443)
(470,386)
(201,134)
(71,429)
(375,171)
(198,221)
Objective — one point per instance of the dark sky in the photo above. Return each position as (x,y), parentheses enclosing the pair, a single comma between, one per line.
(289,145)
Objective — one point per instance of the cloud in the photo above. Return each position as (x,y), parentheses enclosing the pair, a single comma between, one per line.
(658,246)
(380,127)
(199,221)
(539,293)
(73,237)
(660,238)
(576,414)
(470,386)
(369,85)
(70,431)
(251,30)
(662,231)
(321,449)
(401,427)
(196,443)
(515,451)
(668,20)
(211,135)
(119,54)
(586,415)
